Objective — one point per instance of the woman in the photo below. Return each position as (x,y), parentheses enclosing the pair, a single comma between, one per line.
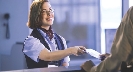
(43,47)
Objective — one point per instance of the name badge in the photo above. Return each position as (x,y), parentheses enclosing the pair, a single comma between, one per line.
(52,66)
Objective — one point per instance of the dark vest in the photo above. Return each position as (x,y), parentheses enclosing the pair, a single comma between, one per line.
(31,63)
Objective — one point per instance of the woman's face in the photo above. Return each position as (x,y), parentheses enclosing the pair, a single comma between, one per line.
(47,14)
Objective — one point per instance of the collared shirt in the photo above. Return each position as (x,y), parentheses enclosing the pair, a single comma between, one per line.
(33,46)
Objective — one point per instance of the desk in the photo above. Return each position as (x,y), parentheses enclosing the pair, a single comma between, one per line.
(52,69)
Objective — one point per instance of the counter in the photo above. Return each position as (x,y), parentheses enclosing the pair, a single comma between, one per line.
(52,69)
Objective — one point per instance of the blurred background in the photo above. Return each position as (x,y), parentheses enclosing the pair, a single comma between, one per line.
(91,23)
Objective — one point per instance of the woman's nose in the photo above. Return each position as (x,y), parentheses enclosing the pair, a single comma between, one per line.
(49,13)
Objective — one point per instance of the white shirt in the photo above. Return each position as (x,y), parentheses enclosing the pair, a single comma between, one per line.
(33,46)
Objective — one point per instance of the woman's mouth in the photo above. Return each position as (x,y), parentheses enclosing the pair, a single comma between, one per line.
(49,19)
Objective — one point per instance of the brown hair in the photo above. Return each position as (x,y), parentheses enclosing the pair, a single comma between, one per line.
(35,17)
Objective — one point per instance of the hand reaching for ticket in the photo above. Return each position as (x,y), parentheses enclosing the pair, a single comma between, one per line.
(103,56)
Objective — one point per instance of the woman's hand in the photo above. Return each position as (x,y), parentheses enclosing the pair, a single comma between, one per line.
(77,50)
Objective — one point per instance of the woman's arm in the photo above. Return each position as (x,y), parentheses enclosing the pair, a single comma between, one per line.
(34,49)
(60,54)
(65,64)
(55,55)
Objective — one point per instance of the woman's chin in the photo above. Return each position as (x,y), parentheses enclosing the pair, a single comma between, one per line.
(49,24)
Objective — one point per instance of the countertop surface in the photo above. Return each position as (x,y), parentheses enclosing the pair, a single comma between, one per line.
(52,69)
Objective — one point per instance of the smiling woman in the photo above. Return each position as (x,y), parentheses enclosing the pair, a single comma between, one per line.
(43,47)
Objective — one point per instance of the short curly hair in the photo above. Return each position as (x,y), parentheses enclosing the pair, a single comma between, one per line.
(35,18)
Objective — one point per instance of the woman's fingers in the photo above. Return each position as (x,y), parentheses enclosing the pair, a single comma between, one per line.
(82,48)
(78,50)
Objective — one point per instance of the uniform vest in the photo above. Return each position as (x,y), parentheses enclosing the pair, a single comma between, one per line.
(31,63)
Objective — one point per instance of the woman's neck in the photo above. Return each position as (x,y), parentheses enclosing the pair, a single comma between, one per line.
(46,27)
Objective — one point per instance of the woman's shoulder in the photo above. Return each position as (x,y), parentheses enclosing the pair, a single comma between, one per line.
(30,38)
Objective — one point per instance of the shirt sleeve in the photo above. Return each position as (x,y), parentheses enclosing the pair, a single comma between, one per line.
(122,46)
(66,59)
(33,47)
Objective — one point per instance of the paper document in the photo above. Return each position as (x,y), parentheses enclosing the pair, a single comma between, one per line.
(93,53)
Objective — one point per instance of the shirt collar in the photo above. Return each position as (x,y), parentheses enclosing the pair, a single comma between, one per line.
(44,34)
